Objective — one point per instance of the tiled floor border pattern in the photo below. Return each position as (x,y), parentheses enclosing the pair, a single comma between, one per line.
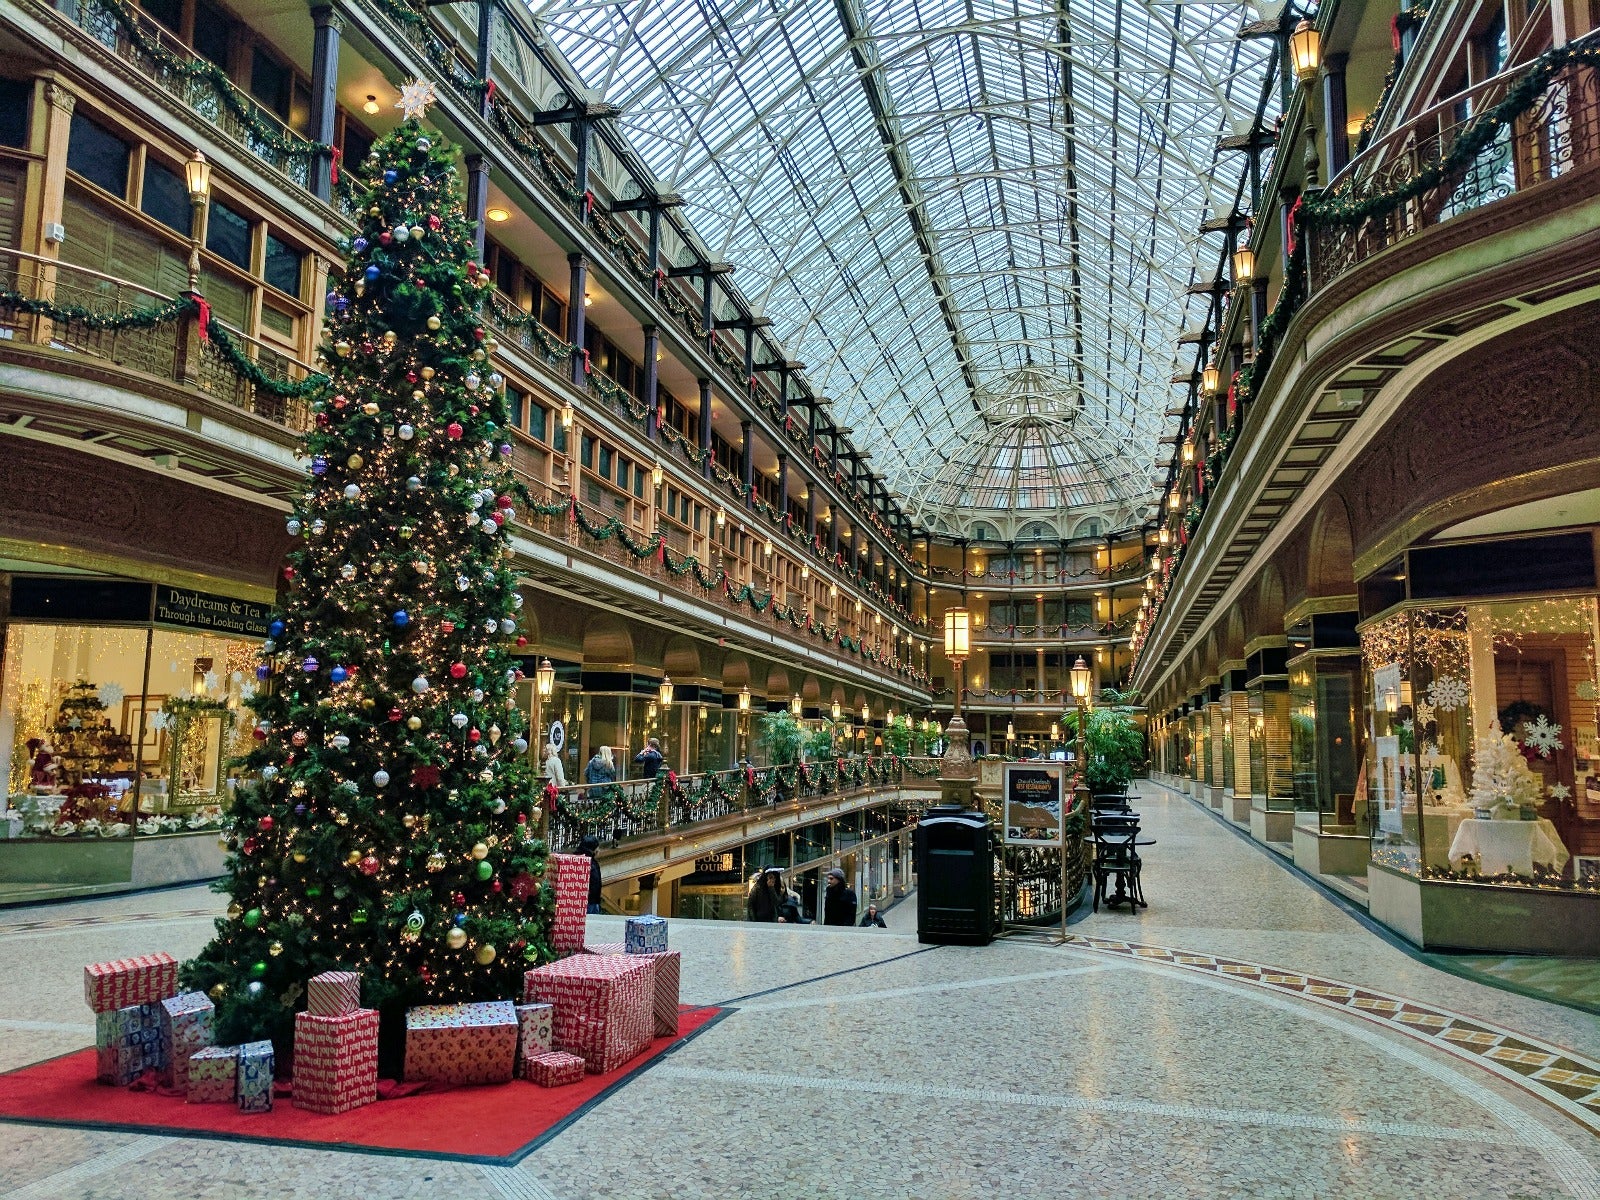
(181,914)
(1552,1073)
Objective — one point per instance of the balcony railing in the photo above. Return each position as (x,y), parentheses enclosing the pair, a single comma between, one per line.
(1555,136)
(638,808)
(194,82)
(1065,631)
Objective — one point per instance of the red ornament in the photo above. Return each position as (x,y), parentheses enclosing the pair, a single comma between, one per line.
(386,237)
(523,886)
(478,334)
(411,376)
(433,221)
(366,347)
(453,431)
(369,865)
(249,846)
(474,736)
(288,573)
(322,420)
(447,626)
(458,670)
(494,886)
(395,714)
(473,409)
(259,734)
(521,641)
(339,402)
(459,900)
(265,824)
(502,502)
(298,737)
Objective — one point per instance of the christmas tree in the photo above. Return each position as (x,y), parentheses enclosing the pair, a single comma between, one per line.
(391,829)
(1501,780)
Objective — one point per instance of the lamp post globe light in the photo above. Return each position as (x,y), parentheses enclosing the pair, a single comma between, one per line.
(1082,676)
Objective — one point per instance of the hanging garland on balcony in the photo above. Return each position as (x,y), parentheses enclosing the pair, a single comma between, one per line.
(199,70)
(247,368)
(1402,23)
(73,314)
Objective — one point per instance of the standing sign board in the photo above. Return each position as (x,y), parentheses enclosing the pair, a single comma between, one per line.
(1034,793)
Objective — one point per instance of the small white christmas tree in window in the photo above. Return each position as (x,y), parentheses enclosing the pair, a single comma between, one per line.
(1501,780)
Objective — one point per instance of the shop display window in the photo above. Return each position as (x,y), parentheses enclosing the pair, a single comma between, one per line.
(114,731)
(1323,739)
(1480,715)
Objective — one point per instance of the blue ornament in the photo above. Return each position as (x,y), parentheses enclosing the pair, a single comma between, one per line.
(263,671)
(461,918)
(505,449)
(275,629)
(372,272)
(401,617)
(338,674)
(319,465)
(359,245)
(309,666)
(391,175)
(299,810)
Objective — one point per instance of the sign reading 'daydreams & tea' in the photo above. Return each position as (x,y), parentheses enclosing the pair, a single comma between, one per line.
(204,610)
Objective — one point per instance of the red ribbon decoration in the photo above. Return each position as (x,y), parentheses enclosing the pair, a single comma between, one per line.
(587,369)
(203,316)
(333,165)
(1394,32)
(488,91)
(1293,221)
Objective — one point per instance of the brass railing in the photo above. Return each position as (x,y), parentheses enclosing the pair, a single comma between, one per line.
(1558,135)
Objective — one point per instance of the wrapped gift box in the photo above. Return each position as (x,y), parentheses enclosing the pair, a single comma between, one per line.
(535,1029)
(606,948)
(127,1042)
(335,1060)
(462,1043)
(126,981)
(185,1028)
(553,1068)
(570,873)
(669,973)
(604,1005)
(213,1075)
(645,935)
(333,993)
(255,1077)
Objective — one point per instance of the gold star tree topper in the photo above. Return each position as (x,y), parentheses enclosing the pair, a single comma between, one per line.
(415,98)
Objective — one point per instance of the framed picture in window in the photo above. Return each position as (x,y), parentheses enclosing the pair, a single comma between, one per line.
(149,744)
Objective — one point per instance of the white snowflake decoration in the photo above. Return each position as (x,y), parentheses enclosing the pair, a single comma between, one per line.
(75,723)
(161,720)
(1559,791)
(210,678)
(1448,693)
(247,692)
(1424,714)
(1405,726)
(110,694)
(1541,735)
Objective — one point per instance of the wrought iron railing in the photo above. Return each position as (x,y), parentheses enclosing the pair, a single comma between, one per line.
(617,812)
(1556,136)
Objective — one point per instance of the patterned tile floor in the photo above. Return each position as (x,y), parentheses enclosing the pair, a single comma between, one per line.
(1240,1037)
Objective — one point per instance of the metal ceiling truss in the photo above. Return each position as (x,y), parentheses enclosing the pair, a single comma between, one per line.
(933,198)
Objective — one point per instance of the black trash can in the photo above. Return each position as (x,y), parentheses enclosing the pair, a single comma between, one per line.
(955,876)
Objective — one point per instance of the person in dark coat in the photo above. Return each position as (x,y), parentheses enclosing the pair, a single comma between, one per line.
(590,845)
(762,904)
(649,759)
(839,901)
(872,918)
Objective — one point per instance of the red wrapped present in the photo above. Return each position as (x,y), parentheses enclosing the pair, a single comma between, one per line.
(570,874)
(604,1005)
(669,972)
(185,1028)
(335,1060)
(605,948)
(123,982)
(333,993)
(553,1068)
(127,1041)
(462,1043)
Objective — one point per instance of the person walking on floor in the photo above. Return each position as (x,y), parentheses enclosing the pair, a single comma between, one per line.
(762,903)
(839,901)
(648,760)
(590,845)
(872,918)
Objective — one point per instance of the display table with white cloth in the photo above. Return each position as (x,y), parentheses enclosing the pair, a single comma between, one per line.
(1514,846)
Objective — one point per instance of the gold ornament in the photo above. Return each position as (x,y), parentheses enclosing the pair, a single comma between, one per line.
(342,349)
(275,949)
(388,337)
(413,723)
(480,852)
(370,408)
(218,991)
(427,372)
(485,954)
(234,912)
(299,856)
(456,938)
(417,394)
(433,323)
(355,462)
(436,861)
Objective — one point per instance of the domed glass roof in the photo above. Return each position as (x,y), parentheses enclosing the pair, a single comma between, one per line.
(948,207)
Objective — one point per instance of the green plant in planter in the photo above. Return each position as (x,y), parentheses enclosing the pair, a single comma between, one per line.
(1113,745)
(897,737)
(780,737)
(819,742)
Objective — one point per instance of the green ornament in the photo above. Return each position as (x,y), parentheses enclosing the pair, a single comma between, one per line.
(415,922)
(359,917)
(257,969)
(485,871)
(252,918)
(313,891)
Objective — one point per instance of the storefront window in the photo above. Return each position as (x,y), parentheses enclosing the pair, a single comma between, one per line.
(1480,714)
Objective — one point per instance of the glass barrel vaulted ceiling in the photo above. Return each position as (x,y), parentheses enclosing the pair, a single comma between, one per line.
(974,222)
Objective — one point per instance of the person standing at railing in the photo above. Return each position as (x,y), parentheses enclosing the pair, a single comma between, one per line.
(554,773)
(649,759)
(601,768)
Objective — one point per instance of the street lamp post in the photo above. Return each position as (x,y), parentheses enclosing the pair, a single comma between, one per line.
(741,728)
(1081,676)
(197,175)
(956,765)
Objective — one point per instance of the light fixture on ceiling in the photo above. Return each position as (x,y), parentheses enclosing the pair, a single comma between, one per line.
(371,106)
(587,300)
(498,214)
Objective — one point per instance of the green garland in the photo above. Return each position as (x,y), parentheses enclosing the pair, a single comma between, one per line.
(199,70)
(72,314)
(247,367)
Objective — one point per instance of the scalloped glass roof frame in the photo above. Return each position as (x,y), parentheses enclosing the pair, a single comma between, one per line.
(929,196)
